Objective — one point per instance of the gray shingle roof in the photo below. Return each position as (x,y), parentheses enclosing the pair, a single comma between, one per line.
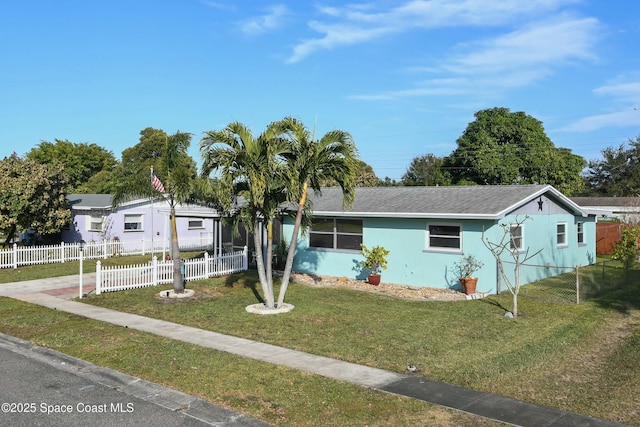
(607,201)
(87,201)
(434,202)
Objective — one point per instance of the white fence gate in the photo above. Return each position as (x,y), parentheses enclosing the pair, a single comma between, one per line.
(118,278)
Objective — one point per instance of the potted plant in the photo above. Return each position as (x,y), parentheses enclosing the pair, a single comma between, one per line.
(375,260)
(465,269)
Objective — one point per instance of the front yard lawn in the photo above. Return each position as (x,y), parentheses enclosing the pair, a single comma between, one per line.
(581,358)
(565,356)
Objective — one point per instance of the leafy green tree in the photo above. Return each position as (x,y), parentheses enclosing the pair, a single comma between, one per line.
(310,163)
(167,156)
(253,168)
(500,147)
(81,162)
(32,194)
(365,177)
(426,170)
(148,151)
(103,182)
(626,249)
(618,173)
(388,182)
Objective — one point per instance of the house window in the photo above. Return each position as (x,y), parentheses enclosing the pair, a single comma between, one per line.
(561,234)
(444,237)
(195,224)
(580,233)
(515,232)
(334,233)
(133,222)
(95,223)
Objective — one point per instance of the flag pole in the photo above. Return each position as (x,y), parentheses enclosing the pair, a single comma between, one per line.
(157,185)
(153,247)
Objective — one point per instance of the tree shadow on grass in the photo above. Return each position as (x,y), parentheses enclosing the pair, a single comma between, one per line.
(247,281)
(624,299)
(612,287)
(495,303)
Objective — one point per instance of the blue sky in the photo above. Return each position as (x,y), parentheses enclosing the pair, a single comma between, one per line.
(403,77)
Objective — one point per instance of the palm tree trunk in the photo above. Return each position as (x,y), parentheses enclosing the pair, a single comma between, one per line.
(286,274)
(269,260)
(178,281)
(257,239)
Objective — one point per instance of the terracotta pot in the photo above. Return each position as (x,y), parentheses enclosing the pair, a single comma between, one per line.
(469,285)
(374,279)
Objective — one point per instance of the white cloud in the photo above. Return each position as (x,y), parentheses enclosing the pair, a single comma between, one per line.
(272,20)
(510,60)
(434,87)
(623,91)
(629,117)
(218,5)
(534,46)
(628,92)
(362,23)
(337,35)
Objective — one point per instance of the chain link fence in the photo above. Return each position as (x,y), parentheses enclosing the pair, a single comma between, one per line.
(575,285)
(605,277)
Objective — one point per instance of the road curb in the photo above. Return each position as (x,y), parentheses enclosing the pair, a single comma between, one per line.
(160,395)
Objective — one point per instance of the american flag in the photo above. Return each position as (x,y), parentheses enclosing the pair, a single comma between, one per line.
(156,183)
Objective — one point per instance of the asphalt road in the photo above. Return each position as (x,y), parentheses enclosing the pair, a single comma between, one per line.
(40,387)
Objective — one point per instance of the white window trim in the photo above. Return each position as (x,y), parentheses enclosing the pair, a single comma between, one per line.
(137,230)
(521,247)
(93,219)
(430,248)
(566,241)
(583,241)
(199,227)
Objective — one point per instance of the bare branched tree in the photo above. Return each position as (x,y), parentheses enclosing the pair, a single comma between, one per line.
(510,246)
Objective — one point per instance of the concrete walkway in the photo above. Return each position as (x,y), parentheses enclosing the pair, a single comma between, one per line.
(54,293)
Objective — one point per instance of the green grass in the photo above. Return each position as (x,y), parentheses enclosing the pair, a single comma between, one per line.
(559,355)
(279,395)
(595,281)
(378,331)
(469,343)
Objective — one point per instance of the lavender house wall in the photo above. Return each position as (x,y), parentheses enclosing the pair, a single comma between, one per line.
(94,220)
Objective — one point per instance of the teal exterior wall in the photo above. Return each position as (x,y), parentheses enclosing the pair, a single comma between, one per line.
(409,261)
(540,234)
(412,263)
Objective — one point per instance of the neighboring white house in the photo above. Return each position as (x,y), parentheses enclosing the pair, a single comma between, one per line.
(624,209)
(95,219)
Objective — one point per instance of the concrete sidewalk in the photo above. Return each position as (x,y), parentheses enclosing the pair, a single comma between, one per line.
(55,293)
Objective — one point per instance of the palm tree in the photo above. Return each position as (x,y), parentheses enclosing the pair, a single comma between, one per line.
(254,169)
(176,171)
(181,177)
(313,164)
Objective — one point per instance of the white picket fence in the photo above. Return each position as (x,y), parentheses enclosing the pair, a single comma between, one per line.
(51,254)
(118,278)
